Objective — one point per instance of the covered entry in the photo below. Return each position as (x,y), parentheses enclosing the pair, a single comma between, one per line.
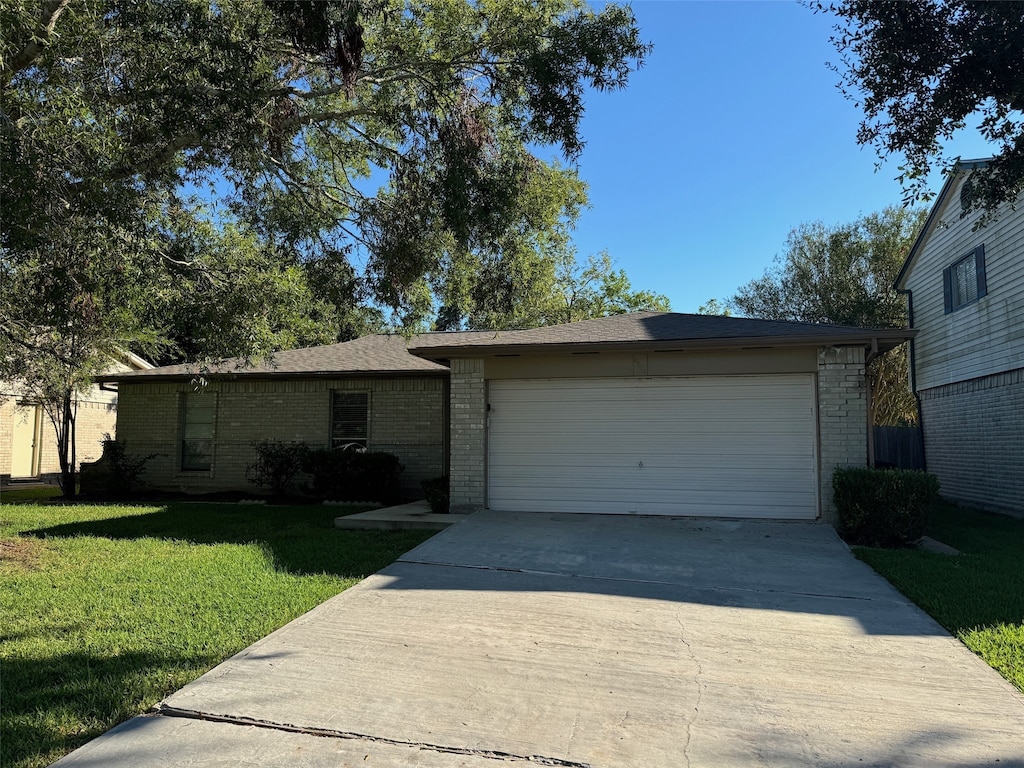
(720,446)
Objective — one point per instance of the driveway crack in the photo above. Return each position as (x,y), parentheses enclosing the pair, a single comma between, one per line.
(162,710)
(701,687)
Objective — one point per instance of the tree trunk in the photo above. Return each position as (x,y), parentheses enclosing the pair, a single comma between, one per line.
(66,446)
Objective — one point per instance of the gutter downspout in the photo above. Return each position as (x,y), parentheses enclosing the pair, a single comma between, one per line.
(872,354)
(913,371)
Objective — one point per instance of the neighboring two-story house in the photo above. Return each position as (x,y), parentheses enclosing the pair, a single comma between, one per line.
(965,287)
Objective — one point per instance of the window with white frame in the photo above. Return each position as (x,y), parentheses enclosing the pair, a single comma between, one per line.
(198,414)
(350,420)
(964,281)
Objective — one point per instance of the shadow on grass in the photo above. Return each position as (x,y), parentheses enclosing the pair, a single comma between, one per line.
(982,586)
(83,695)
(300,539)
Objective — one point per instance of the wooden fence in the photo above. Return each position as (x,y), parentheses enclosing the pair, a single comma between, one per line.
(898,447)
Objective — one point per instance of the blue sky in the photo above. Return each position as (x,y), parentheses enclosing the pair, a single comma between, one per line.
(731,135)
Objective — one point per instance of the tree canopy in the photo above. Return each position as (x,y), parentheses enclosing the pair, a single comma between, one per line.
(920,69)
(562,288)
(397,133)
(233,177)
(843,275)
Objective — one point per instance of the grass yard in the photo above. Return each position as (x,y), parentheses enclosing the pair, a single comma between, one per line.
(977,595)
(104,610)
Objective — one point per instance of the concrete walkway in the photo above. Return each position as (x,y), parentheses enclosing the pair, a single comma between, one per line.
(568,640)
(415,515)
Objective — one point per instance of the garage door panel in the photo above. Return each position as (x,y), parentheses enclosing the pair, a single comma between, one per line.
(659,484)
(682,494)
(740,446)
(713,506)
(599,464)
(585,480)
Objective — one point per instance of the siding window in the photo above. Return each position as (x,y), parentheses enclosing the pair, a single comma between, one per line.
(350,420)
(963,281)
(198,410)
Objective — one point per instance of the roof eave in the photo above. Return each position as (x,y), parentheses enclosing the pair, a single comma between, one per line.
(146,376)
(885,339)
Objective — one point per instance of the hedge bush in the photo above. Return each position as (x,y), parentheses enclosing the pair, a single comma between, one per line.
(437,493)
(341,475)
(116,474)
(277,463)
(883,507)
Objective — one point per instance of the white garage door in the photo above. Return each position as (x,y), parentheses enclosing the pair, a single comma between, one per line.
(719,446)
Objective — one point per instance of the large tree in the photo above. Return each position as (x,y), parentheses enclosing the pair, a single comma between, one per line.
(921,69)
(550,287)
(843,275)
(368,148)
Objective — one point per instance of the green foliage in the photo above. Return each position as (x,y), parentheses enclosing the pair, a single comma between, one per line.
(277,463)
(436,490)
(118,473)
(715,307)
(359,153)
(921,70)
(844,275)
(549,288)
(106,610)
(977,595)
(883,507)
(346,475)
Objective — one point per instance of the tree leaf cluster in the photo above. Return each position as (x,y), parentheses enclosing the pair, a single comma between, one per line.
(843,275)
(921,69)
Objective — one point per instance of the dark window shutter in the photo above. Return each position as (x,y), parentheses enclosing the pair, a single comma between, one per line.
(979,265)
(947,288)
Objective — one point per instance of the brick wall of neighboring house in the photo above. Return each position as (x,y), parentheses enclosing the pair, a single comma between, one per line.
(96,416)
(406,418)
(842,418)
(7,416)
(468,435)
(974,440)
(92,422)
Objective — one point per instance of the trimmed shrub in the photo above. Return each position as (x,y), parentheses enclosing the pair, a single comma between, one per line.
(343,475)
(116,473)
(437,493)
(276,464)
(883,507)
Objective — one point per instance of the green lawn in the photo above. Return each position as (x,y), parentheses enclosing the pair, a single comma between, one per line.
(104,610)
(977,595)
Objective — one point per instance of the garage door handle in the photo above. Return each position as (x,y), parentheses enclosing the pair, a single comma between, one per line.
(641,465)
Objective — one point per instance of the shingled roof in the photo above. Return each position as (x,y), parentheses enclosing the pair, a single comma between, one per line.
(658,330)
(378,355)
(395,355)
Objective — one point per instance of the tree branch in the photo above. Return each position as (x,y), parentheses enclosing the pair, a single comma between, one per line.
(48,21)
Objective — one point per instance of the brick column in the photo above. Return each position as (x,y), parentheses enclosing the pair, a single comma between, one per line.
(842,417)
(468,434)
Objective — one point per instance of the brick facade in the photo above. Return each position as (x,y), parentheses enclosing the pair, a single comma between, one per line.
(842,418)
(407,418)
(468,434)
(974,440)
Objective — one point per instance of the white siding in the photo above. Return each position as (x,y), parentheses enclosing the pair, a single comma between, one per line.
(987,336)
(723,446)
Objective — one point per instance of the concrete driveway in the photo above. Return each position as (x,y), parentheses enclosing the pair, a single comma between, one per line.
(570,640)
